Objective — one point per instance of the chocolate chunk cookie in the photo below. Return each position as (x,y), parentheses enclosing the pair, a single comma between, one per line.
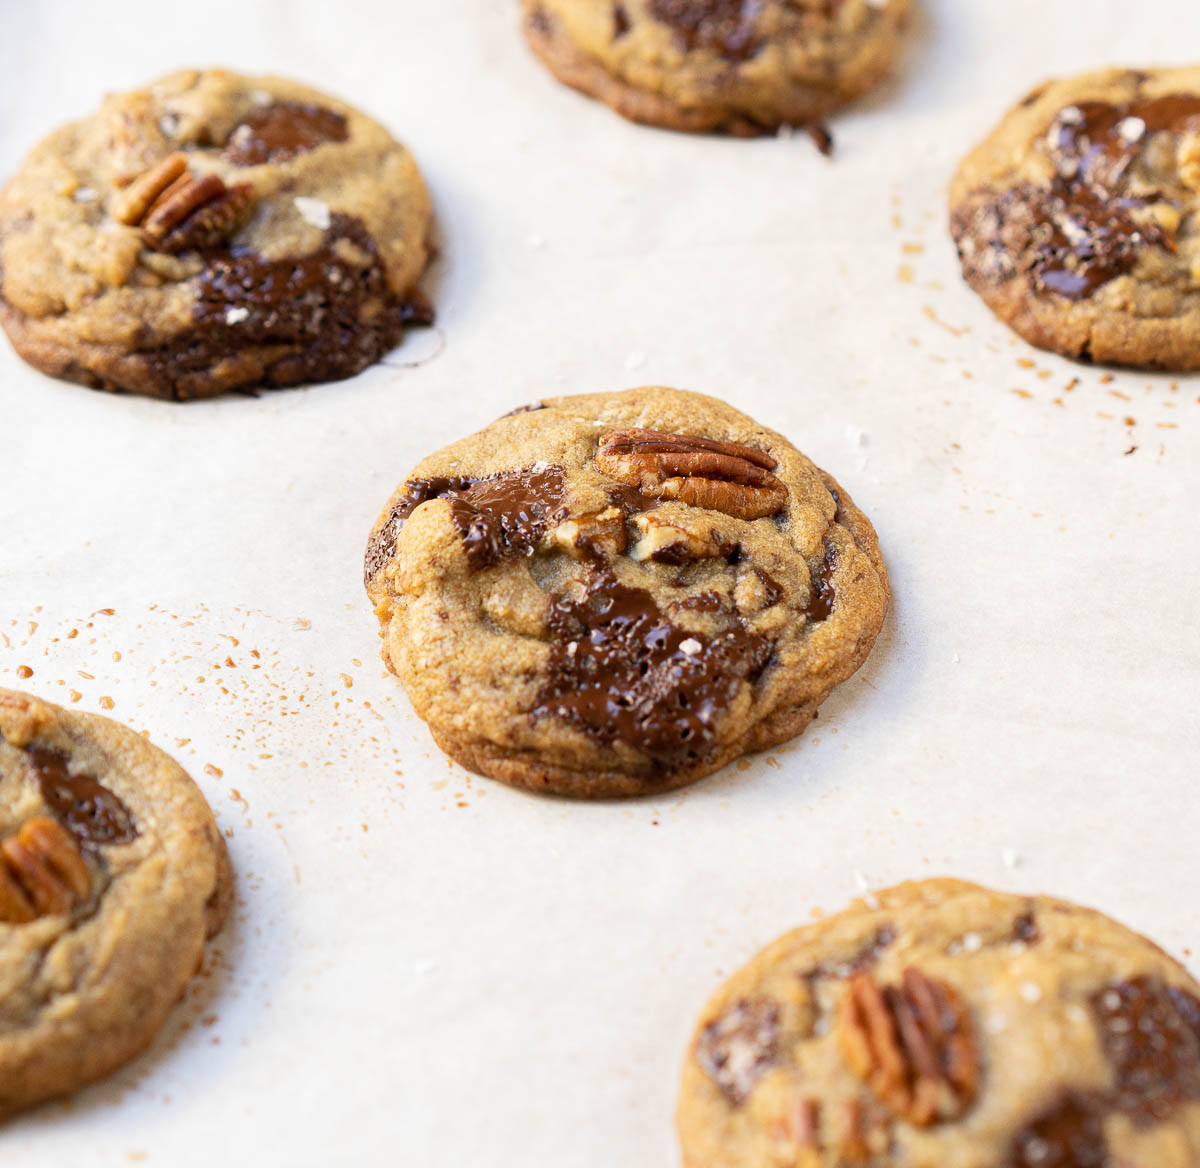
(213,233)
(620,593)
(1077,219)
(941,1023)
(741,66)
(112,874)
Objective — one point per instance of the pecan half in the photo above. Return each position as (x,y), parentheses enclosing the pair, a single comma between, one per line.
(41,872)
(912,1044)
(177,211)
(718,476)
(852,1132)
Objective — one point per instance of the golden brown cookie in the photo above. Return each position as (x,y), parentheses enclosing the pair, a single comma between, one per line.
(112,875)
(210,233)
(741,66)
(940,1023)
(1078,218)
(619,593)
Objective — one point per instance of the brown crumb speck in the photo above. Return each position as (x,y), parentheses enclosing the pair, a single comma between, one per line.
(822,138)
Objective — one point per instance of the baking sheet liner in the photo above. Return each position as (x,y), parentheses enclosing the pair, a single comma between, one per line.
(426,968)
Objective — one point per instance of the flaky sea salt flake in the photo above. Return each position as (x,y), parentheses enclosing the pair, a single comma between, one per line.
(314,212)
(1131,129)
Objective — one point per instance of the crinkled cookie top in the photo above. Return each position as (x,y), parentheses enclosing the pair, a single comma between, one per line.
(622,590)
(940,1024)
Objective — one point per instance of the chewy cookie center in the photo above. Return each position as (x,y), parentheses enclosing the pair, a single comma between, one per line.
(649,602)
(1123,196)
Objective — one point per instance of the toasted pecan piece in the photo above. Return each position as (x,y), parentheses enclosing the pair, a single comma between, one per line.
(717,476)
(41,872)
(178,211)
(912,1044)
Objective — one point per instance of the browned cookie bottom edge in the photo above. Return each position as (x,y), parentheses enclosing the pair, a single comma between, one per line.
(246,369)
(587,75)
(532,773)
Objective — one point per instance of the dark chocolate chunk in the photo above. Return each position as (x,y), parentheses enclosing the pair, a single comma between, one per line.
(727,27)
(1025,929)
(1077,233)
(1096,143)
(1069,1135)
(702,602)
(1070,239)
(504,514)
(774,593)
(282,130)
(507,515)
(90,811)
(738,1048)
(628,498)
(1151,1036)
(821,601)
(622,672)
(621,23)
(866,958)
(320,317)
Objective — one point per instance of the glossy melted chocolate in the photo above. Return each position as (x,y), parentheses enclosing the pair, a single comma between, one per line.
(498,516)
(1151,1037)
(1150,1034)
(820,604)
(740,1047)
(90,811)
(282,130)
(1096,142)
(1071,239)
(1077,233)
(1069,1135)
(726,27)
(324,316)
(619,672)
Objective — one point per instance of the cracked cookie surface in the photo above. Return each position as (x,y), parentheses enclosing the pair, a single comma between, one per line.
(112,876)
(1078,219)
(210,233)
(939,1023)
(619,593)
(741,66)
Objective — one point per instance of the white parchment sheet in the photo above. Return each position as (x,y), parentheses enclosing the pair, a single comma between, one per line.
(428,969)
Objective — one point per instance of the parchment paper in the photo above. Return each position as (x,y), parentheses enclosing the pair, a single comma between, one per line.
(427,969)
